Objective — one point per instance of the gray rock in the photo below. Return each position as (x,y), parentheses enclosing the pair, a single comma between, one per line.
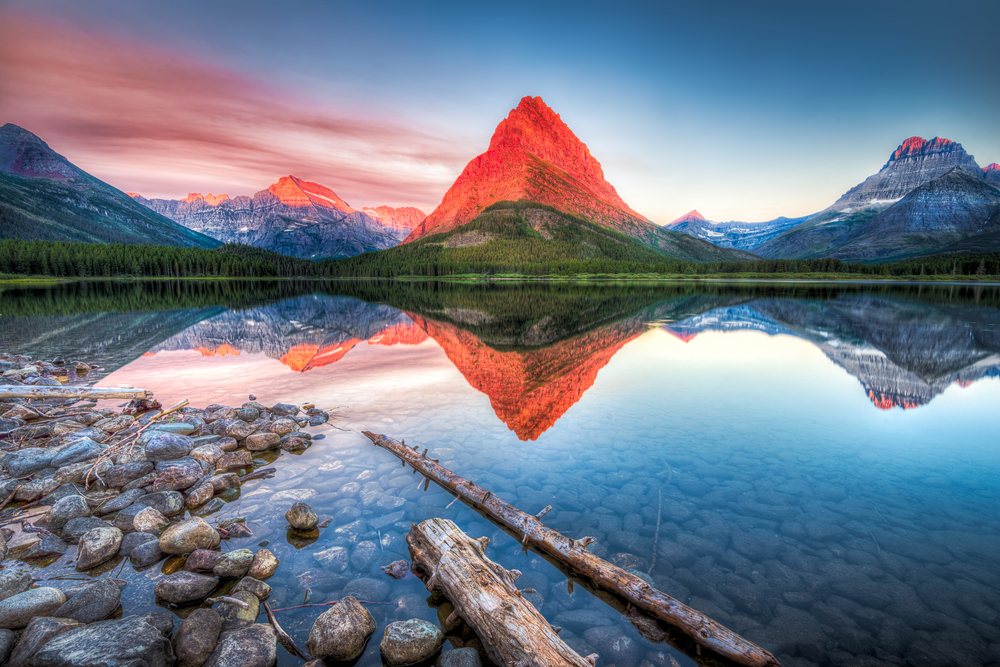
(302,517)
(210,453)
(18,610)
(161,620)
(285,409)
(146,553)
(38,633)
(119,502)
(46,547)
(196,637)
(614,645)
(185,587)
(180,428)
(407,642)
(13,582)
(65,509)
(72,591)
(30,460)
(199,495)
(179,463)
(234,565)
(186,536)
(7,639)
(209,508)
(264,564)
(141,482)
(235,617)
(334,559)
(253,646)
(202,560)
(340,633)
(177,478)
(235,459)
(459,657)
(365,556)
(167,503)
(239,429)
(255,586)
(93,603)
(119,476)
(125,519)
(97,546)
(366,588)
(84,449)
(168,446)
(127,642)
(148,520)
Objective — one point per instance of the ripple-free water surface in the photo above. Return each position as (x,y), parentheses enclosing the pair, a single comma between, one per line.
(817,465)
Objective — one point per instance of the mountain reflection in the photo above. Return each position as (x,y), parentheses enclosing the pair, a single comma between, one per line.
(534,350)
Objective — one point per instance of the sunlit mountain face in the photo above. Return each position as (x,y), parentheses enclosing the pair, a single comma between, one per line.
(534,352)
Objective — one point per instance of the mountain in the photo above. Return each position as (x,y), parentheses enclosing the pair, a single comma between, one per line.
(865,207)
(992,174)
(293,217)
(534,156)
(44,196)
(738,235)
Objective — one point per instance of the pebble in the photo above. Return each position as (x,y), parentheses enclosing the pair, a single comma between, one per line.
(97,546)
(407,642)
(340,633)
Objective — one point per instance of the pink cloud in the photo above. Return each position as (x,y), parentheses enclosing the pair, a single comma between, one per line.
(163,125)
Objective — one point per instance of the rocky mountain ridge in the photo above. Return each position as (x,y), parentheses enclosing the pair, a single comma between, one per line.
(293,217)
(738,235)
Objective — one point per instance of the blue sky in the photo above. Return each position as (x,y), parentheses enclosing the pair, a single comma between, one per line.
(742,110)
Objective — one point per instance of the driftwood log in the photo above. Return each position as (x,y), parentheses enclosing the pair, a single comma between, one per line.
(573,554)
(78,393)
(486,597)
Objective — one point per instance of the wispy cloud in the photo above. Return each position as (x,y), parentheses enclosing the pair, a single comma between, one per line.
(163,124)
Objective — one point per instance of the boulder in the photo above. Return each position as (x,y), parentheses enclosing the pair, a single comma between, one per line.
(185,587)
(13,582)
(186,536)
(93,603)
(302,517)
(167,503)
(253,646)
(196,637)
(38,633)
(407,642)
(119,502)
(126,642)
(341,632)
(97,546)
(234,564)
(133,540)
(164,446)
(146,553)
(255,586)
(264,564)
(18,610)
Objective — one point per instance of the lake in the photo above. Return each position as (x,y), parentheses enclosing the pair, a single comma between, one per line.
(812,465)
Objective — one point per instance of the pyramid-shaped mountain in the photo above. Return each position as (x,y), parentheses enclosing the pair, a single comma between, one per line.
(534,156)
(45,196)
(292,216)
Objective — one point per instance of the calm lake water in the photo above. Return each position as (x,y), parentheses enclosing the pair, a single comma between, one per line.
(813,466)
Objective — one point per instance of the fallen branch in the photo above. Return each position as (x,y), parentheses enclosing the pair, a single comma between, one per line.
(573,554)
(223,598)
(282,634)
(76,393)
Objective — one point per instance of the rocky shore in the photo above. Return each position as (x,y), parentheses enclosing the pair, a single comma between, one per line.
(140,486)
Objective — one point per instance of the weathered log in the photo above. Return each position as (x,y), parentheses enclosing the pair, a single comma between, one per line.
(573,554)
(486,597)
(76,393)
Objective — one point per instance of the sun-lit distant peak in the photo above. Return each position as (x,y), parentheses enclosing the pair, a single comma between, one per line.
(992,167)
(690,216)
(293,191)
(915,146)
(210,199)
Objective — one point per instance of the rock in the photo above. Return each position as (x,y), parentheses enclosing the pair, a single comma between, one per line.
(285,409)
(13,582)
(365,556)
(233,460)
(161,620)
(341,631)
(18,610)
(248,414)
(614,645)
(120,475)
(70,507)
(168,446)
(234,617)
(133,540)
(38,633)
(46,547)
(334,559)
(202,560)
(115,423)
(366,588)
(259,442)
(294,442)
(186,536)
(234,564)
(93,603)
(35,489)
(224,482)
(253,646)
(407,642)
(141,482)
(284,426)
(185,587)
(264,565)
(302,517)
(255,586)
(239,429)
(146,553)
(200,495)
(29,460)
(196,637)
(126,642)
(177,478)
(97,546)
(125,519)
(460,657)
(210,454)
(398,569)
(227,444)
(211,507)
(167,503)
(119,502)
(149,521)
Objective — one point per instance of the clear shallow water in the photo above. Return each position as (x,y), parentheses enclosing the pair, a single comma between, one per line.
(821,462)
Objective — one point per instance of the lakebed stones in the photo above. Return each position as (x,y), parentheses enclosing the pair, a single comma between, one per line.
(186,536)
(97,546)
(255,586)
(407,642)
(18,610)
(341,632)
(234,564)
(185,587)
(196,637)
(93,603)
(127,641)
(253,646)
(302,517)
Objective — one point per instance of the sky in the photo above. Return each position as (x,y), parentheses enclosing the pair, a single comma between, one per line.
(743,111)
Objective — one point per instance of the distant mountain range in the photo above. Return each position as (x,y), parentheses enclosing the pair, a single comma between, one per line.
(44,196)
(293,217)
(930,197)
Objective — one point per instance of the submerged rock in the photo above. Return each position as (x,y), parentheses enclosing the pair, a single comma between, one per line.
(234,564)
(407,642)
(235,617)
(264,564)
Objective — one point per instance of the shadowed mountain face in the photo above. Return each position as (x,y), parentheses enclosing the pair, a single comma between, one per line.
(293,217)
(739,235)
(44,196)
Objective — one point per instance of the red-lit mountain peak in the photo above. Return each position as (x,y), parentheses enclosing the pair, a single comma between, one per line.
(532,155)
(992,167)
(690,216)
(915,146)
(293,191)
(193,197)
